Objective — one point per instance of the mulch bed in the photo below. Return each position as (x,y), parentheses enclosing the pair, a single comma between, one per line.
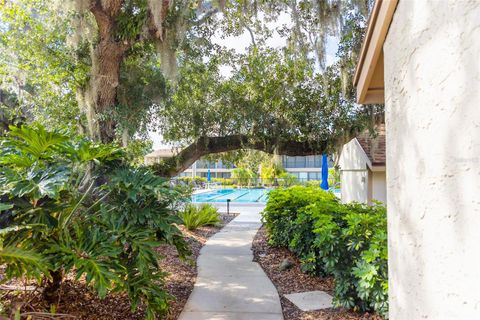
(78,301)
(294,280)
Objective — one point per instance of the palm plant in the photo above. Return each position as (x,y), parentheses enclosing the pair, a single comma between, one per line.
(203,215)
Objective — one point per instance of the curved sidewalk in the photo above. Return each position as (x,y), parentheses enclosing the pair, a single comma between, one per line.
(229,284)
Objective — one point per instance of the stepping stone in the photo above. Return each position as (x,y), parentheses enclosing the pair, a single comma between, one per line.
(311,300)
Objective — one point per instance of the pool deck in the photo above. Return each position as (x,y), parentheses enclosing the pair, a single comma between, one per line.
(229,284)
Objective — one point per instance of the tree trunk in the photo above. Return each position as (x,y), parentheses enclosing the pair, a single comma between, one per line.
(100,94)
(50,293)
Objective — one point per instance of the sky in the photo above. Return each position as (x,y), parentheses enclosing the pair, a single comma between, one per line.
(240,44)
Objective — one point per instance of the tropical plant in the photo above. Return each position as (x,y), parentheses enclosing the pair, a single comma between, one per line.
(223,181)
(243,176)
(23,262)
(73,206)
(270,171)
(358,258)
(286,179)
(194,216)
(334,178)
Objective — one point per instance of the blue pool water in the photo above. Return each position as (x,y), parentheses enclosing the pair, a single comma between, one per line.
(235,195)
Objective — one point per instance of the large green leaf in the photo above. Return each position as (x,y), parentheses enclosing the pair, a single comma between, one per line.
(86,151)
(35,141)
(5,206)
(22,262)
(37,182)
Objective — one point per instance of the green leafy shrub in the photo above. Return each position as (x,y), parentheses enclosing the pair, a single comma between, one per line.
(282,209)
(223,181)
(330,238)
(190,180)
(313,183)
(72,205)
(197,216)
(352,247)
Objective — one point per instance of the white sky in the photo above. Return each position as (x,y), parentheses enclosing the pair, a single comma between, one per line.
(240,44)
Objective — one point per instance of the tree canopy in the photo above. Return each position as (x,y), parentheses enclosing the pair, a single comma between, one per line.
(115,69)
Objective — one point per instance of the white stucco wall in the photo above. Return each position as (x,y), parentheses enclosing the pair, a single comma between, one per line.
(353,173)
(379,186)
(352,156)
(354,186)
(432,92)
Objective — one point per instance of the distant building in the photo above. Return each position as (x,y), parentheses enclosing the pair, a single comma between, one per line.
(305,168)
(158,155)
(362,168)
(218,169)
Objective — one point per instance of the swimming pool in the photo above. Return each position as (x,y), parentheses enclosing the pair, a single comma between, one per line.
(235,195)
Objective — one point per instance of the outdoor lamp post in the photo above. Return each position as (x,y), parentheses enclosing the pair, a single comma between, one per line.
(228,206)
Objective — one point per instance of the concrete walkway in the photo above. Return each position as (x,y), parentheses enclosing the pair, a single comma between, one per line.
(229,285)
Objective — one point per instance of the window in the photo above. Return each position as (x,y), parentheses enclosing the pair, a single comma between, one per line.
(289,162)
(300,162)
(310,162)
(225,175)
(314,176)
(318,161)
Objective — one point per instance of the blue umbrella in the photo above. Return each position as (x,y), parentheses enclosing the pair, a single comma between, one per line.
(209,175)
(324,184)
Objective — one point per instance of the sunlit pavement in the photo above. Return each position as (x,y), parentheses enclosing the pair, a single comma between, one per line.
(229,285)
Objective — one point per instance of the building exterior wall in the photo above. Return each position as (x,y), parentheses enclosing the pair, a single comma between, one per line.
(379,186)
(432,98)
(353,173)
(200,168)
(354,186)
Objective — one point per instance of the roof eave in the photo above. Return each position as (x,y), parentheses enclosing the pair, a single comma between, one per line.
(368,78)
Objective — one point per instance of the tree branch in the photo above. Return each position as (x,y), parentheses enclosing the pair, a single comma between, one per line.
(252,37)
(205,17)
(210,145)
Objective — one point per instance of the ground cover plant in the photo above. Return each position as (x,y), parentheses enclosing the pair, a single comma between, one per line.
(194,216)
(347,241)
(71,205)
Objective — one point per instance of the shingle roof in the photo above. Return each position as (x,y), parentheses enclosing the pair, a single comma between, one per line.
(374,146)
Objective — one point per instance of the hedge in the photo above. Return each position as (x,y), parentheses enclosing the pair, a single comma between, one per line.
(347,241)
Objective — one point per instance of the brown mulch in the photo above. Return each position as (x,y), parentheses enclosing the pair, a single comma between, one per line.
(294,280)
(78,301)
